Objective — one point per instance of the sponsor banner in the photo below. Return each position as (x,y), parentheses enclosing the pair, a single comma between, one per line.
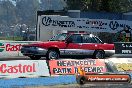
(124,66)
(70,66)
(108,78)
(123,48)
(8,49)
(12,48)
(121,64)
(85,24)
(23,68)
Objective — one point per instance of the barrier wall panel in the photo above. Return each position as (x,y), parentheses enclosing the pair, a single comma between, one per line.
(70,66)
(23,68)
(120,64)
(12,48)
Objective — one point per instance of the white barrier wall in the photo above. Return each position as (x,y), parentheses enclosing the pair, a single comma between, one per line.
(12,48)
(23,68)
(120,64)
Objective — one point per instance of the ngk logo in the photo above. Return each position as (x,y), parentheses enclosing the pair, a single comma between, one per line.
(20,68)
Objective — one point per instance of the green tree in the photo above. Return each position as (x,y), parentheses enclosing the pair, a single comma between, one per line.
(7,13)
(116,6)
(74,4)
(86,5)
(26,11)
(100,5)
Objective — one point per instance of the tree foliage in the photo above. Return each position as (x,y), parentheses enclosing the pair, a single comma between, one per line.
(26,12)
(7,12)
(100,5)
(23,12)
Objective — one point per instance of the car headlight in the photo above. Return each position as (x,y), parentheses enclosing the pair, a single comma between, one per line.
(40,49)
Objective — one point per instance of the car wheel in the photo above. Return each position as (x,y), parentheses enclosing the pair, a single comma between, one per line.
(52,54)
(99,54)
(35,57)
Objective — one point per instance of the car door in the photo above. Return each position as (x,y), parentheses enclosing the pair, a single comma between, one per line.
(89,44)
(73,48)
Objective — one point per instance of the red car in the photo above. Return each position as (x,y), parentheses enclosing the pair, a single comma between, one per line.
(69,45)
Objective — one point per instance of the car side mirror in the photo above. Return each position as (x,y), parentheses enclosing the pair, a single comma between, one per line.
(69,40)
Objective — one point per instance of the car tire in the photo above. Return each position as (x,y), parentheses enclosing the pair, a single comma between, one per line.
(35,57)
(99,54)
(52,54)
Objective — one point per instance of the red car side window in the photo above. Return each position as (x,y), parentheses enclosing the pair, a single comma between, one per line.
(76,38)
(88,39)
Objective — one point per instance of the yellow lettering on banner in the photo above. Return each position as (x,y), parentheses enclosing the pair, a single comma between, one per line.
(119,68)
(124,66)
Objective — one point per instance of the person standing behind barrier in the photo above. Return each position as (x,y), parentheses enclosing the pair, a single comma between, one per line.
(125,37)
(128,34)
(81,71)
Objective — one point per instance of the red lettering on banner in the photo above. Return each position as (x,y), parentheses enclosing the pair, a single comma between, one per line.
(4,68)
(34,70)
(20,69)
(16,70)
(29,68)
(24,68)
(10,47)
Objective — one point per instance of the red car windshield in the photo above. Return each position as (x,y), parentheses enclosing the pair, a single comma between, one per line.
(59,37)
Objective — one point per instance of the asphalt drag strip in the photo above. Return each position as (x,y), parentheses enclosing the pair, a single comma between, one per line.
(100,85)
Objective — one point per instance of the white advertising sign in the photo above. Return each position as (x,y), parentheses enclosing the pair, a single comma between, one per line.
(91,25)
(121,64)
(12,48)
(23,68)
